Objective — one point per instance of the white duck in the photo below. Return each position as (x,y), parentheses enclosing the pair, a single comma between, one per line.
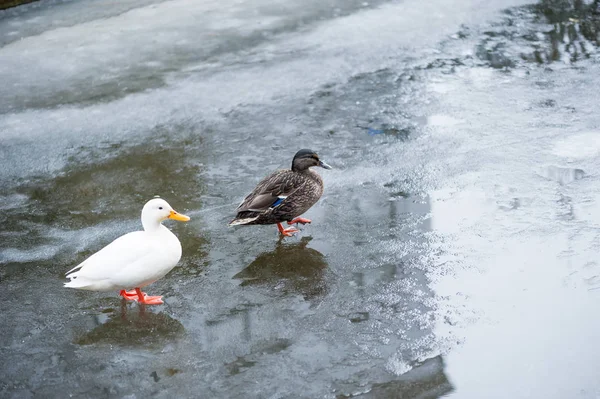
(134,260)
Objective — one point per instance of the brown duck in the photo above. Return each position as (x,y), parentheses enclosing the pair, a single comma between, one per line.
(284,195)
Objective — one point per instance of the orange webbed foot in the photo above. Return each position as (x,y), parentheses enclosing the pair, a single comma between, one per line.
(141,297)
(289,232)
(146,299)
(129,295)
(300,220)
(151,300)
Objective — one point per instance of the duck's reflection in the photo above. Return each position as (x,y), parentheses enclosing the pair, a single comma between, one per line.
(133,327)
(289,268)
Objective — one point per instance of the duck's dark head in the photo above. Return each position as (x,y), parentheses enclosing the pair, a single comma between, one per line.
(305,158)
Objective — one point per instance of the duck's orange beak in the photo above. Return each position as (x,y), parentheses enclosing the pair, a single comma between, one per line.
(178,216)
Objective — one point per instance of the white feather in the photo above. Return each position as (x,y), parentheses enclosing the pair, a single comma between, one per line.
(133,260)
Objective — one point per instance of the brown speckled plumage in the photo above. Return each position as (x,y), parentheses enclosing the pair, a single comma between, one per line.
(300,186)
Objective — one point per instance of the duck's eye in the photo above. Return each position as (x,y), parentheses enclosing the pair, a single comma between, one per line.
(160,207)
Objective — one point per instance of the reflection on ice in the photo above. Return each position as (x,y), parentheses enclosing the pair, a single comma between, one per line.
(132,327)
(289,268)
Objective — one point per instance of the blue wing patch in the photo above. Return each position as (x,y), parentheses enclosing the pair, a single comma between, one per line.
(279,201)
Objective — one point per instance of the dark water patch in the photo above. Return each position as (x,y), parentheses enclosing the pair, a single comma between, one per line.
(100,185)
(133,327)
(4,4)
(544,33)
(288,269)
(540,34)
(93,90)
(576,28)
(495,56)
(448,65)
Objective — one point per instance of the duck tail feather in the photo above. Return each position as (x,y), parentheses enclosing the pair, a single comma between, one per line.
(77,282)
(237,222)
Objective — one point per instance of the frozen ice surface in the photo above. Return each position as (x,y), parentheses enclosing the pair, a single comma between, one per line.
(453,254)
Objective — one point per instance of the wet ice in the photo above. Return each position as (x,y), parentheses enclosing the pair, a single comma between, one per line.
(443,261)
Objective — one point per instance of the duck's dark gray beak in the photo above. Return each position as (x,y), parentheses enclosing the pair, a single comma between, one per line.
(324,165)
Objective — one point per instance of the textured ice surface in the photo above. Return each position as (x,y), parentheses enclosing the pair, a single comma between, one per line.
(452,254)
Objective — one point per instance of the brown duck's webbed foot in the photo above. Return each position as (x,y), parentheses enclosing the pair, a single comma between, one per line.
(300,220)
(289,232)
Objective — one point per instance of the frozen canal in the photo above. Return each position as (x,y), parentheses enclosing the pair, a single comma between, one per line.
(454,252)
